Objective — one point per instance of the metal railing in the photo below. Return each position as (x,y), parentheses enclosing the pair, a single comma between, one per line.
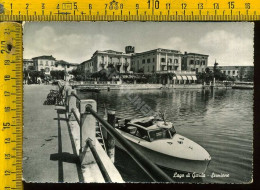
(86,119)
(149,167)
(99,161)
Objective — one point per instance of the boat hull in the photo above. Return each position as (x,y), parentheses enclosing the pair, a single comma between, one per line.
(243,87)
(170,162)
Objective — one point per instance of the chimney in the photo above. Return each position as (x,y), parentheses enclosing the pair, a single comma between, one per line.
(129,49)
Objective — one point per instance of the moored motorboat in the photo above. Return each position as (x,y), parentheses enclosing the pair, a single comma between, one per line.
(96,90)
(159,141)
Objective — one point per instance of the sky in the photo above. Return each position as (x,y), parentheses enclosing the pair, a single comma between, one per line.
(226,42)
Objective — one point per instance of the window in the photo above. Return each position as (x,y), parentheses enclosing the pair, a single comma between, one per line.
(228,72)
(68,66)
(47,63)
(132,130)
(197,62)
(148,69)
(52,63)
(41,64)
(224,72)
(143,61)
(191,62)
(234,72)
(169,60)
(148,60)
(153,60)
(159,134)
(162,59)
(141,133)
(176,60)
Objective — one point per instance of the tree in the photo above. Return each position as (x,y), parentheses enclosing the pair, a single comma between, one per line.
(206,76)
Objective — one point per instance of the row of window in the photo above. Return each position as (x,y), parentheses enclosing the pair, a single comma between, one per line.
(47,63)
(90,64)
(56,65)
(229,72)
(153,60)
(197,62)
(110,59)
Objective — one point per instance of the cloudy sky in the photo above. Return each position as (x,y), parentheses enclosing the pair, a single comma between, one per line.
(75,42)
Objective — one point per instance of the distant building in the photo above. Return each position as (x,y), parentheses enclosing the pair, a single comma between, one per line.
(105,59)
(28,64)
(156,60)
(61,65)
(145,62)
(194,62)
(47,63)
(159,60)
(44,63)
(238,72)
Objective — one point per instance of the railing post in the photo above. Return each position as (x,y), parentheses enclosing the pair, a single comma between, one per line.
(110,141)
(72,101)
(87,130)
(68,92)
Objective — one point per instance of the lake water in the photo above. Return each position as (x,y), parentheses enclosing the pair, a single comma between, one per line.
(221,121)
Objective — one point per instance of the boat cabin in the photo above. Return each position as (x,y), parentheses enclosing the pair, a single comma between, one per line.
(149,129)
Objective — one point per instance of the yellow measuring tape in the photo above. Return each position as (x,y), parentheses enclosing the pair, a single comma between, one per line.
(126,10)
(82,10)
(11,109)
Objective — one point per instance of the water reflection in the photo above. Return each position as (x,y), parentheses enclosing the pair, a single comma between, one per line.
(221,121)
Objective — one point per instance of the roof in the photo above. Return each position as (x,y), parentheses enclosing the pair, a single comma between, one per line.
(113,51)
(50,57)
(196,54)
(230,67)
(65,62)
(158,50)
(27,60)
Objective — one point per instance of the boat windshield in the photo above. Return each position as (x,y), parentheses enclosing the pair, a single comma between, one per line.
(161,133)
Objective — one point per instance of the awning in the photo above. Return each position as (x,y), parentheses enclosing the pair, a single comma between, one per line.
(189,77)
(179,77)
(184,77)
(194,77)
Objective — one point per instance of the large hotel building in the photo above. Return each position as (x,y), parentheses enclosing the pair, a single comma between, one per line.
(185,66)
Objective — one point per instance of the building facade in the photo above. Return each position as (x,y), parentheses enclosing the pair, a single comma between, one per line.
(47,63)
(44,63)
(184,66)
(28,64)
(237,72)
(194,62)
(156,60)
(61,65)
(105,59)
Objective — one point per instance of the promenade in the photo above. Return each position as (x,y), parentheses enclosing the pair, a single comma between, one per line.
(48,153)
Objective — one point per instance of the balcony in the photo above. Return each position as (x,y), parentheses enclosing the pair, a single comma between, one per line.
(102,63)
(126,64)
(163,63)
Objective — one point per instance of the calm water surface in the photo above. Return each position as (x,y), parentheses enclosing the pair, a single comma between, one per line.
(220,121)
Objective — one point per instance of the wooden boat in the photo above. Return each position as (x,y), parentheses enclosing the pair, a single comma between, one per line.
(96,90)
(159,141)
(243,85)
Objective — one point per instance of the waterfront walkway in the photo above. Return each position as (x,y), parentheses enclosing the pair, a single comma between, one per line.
(48,152)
